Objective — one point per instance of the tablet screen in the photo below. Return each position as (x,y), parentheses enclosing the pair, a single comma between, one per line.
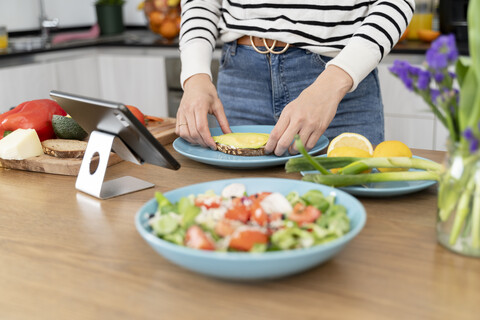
(115,118)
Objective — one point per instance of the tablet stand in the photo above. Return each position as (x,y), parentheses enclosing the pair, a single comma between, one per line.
(93,183)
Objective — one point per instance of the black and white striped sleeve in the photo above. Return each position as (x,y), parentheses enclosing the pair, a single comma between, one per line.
(198,35)
(379,32)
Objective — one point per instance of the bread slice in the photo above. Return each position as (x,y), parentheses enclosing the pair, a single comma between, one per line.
(64,148)
(247,152)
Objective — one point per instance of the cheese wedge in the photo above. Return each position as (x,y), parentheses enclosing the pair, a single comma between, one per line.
(20,144)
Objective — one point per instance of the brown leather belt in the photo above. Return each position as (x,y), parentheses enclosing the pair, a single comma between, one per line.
(262,45)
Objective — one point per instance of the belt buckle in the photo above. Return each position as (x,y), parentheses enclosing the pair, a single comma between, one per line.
(269,49)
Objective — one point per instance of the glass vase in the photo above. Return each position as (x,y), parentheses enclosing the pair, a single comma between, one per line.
(458,222)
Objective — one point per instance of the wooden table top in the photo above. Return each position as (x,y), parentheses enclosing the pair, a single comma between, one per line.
(66,255)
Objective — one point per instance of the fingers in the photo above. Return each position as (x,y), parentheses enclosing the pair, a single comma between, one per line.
(219,113)
(276,134)
(192,121)
(181,128)
(308,138)
(205,137)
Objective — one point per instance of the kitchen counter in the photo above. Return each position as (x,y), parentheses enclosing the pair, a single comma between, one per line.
(66,255)
(142,37)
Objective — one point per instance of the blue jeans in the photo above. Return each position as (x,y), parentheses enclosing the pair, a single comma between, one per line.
(254,88)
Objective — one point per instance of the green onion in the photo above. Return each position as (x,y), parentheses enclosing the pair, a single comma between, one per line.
(390,162)
(316,165)
(302,164)
(337,180)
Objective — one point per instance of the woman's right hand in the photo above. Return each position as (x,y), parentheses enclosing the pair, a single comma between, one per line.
(199,99)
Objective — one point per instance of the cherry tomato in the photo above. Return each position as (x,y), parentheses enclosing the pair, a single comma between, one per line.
(224,228)
(197,239)
(257,214)
(208,202)
(239,212)
(302,214)
(245,240)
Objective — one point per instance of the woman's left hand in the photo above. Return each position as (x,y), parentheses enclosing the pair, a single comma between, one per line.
(311,113)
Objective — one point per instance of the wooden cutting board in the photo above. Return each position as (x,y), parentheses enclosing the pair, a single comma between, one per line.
(164,132)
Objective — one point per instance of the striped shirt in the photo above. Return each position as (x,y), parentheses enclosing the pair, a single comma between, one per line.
(356,33)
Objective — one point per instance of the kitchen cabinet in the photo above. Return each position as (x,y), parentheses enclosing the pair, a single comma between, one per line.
(79,75)
(25,82)
(135,79)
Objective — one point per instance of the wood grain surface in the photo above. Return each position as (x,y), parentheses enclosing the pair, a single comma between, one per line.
(164,132)
(66,255)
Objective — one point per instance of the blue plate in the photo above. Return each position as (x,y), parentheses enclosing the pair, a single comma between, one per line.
(386,189)
(220,159)
(244,265)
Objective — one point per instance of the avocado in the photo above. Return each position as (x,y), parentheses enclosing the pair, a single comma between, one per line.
(243,140)
(67,128)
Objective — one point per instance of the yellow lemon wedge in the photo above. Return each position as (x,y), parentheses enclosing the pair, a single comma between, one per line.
(353,140)
(392,148)
(348,152)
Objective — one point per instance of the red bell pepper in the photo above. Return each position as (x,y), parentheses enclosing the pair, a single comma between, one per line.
(35,114)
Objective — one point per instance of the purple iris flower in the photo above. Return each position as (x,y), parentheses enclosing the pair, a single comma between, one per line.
(401,70)
(410,75)
(434,94)
(442,52)
(439,76)
(468,134)
(473,146)
(423,80)
(472,140)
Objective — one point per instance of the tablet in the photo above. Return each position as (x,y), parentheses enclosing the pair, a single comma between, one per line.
(115,118)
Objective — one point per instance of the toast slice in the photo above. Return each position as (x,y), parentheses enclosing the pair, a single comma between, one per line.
(242,143)
(246,152)
(64,148)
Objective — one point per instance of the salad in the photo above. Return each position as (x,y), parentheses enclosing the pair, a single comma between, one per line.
(236,221)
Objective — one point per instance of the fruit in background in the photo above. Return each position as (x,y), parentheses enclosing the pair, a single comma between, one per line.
(163,17)
(35,114)
(67,128)
(404,35)
(353,140)
(168,29)
(428,35)
(392,148)
(137,113)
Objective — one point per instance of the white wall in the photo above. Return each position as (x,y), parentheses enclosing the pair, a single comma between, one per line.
(23,15)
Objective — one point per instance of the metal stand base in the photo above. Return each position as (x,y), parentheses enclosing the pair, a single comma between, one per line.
(91,180)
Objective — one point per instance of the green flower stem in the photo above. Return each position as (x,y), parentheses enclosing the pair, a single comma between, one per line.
(462,211)
(476,214)
(390,162)
(315,164)
(432,106)
(447,198)
(337,180)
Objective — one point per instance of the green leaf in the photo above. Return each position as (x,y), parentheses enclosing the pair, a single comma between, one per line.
(468,94)
(162,200)
(461,68)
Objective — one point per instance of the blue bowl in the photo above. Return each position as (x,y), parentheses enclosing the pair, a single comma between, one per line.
(244,265)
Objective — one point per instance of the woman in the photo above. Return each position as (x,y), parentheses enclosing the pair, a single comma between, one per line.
(307,67)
